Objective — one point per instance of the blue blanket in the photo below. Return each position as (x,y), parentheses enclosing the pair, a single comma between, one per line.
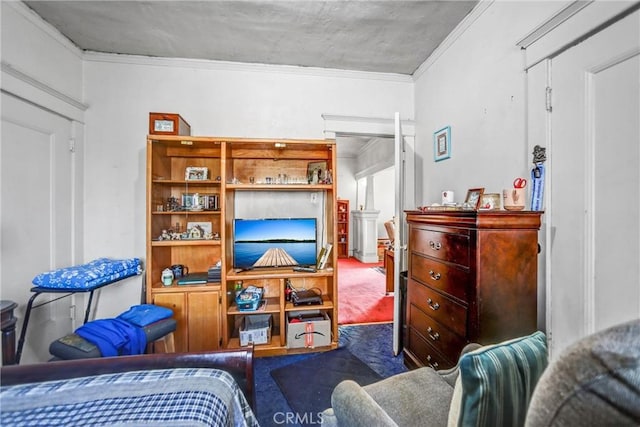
(90,275)
(114,337)
(145,314)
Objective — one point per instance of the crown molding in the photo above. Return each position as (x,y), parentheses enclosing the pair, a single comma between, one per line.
(460,29)
(206,64)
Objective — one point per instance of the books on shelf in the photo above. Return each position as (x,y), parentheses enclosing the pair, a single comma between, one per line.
(323,256)
(214,273)
(193,279)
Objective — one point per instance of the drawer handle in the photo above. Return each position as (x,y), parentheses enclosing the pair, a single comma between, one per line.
(435,245)
(434,365)
(433,306)
(434,336)
(434,275)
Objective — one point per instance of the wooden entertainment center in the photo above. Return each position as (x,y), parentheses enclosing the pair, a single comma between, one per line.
(230,173)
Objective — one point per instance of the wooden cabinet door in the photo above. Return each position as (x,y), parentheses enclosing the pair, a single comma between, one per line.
(176,302)
(204,320)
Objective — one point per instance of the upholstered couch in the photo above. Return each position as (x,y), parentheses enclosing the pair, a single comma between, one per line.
(594,382)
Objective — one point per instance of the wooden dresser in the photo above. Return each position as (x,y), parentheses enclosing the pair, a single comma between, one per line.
(472,278)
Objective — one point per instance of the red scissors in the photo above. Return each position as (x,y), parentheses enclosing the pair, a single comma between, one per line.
(519,183)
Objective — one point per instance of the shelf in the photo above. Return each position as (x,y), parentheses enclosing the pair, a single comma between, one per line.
(188,183)
(275,349)
(273,306)
(185,242)
(327,304)
(158,287)
(273,344)
(203,212)
(279,273)
(342,215)
(274,187)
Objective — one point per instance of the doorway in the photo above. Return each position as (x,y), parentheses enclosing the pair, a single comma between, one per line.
(402,158)
(361,280)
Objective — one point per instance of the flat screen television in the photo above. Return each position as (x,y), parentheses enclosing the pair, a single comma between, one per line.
(274,242)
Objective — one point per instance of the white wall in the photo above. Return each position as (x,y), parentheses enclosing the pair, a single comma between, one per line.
(41,70)
(477,86)
(217,100)
(384,198)
(384,189)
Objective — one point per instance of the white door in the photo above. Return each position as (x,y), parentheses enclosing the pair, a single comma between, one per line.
(594,257)
(36,214)
(399,242)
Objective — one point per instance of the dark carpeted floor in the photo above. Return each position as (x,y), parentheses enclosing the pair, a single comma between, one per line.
(370,343)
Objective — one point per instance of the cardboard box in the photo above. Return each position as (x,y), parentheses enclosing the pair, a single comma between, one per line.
(168,124)
(310,328)
(256,329)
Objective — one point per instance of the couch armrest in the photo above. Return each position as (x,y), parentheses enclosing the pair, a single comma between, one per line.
(352,406)
(450,375)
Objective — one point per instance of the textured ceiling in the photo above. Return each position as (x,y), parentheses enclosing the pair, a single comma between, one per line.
(379,36)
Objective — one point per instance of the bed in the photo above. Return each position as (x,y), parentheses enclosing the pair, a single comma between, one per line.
(194,389)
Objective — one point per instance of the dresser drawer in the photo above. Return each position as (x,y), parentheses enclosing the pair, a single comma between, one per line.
(436,334)
(439,307)
(445,246)
(426,353)
(441,276)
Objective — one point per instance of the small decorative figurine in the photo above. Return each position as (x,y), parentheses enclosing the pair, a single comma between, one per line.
(196,232)
(539,154)
(172,204)
(329,177)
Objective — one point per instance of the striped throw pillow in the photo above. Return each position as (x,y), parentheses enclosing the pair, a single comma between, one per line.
(498,381)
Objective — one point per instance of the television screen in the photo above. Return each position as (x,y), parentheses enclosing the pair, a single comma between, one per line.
(274,242)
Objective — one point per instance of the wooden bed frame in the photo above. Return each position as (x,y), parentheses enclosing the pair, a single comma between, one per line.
(239,363)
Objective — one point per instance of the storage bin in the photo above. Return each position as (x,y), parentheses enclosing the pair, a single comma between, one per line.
(308,329)
(256,329)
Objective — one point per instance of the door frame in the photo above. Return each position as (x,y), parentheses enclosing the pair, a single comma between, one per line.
(337,125)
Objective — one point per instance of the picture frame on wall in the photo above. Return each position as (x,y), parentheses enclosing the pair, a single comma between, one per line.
(442,144)
(474,196)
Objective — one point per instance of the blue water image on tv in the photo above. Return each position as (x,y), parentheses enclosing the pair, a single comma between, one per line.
(252,238)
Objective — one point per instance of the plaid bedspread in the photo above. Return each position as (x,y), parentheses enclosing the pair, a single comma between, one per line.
(172,397)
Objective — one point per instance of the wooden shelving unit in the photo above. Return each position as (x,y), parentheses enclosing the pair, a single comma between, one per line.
(207,316)
(342,215)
